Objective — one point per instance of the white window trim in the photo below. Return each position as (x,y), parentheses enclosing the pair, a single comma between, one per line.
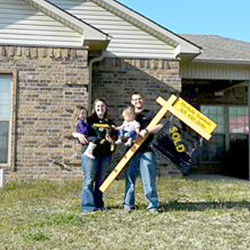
(10,165)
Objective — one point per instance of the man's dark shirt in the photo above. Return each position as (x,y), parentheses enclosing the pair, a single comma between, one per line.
(144,118)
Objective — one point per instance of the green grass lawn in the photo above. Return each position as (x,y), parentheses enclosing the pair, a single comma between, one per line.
(195,215)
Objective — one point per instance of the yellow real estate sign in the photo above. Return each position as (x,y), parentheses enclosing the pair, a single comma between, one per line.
(195,116)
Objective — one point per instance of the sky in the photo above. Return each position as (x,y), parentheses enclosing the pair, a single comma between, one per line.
(226,18)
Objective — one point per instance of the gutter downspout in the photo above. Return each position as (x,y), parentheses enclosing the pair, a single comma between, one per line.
(91,62)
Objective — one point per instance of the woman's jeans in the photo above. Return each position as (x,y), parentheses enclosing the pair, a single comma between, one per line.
(146,163)
(94,173)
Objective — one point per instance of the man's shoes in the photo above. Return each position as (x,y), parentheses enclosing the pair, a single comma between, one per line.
(154,211)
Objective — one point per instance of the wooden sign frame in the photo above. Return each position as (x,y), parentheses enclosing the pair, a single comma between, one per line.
(166,106)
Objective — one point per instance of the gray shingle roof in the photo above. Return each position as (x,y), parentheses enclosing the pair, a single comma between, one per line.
(218,48)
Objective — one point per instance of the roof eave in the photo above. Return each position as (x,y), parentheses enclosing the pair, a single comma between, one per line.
(223,61)
(87,31)
(186,52)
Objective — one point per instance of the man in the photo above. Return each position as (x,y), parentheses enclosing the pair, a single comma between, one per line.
(144,159)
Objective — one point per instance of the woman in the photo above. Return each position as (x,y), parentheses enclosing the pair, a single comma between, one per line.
(95,169)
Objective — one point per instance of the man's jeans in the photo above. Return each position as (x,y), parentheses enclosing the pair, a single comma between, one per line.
(145,162)
(94,173)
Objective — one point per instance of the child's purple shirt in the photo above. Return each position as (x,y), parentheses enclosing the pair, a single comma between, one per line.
(82,127)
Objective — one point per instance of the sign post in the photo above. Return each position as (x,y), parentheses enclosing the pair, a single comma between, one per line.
(179,108)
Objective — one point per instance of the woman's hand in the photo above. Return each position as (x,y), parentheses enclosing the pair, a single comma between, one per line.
(108,138)
(82,138)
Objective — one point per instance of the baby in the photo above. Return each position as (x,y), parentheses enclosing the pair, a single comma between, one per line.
(129,128)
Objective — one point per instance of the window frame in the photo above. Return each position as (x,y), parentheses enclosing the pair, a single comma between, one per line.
(10,165)
(226,131)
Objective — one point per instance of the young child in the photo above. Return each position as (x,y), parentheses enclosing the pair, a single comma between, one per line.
(82,127)
(129,128)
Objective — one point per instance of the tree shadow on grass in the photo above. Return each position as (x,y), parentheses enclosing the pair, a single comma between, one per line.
(201,206)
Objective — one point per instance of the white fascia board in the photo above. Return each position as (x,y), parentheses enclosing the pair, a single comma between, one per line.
(221,61)
(182,45)
(183,49)
(88,32)
(187,48)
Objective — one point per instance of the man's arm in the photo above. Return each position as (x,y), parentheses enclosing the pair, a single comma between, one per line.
(152,130)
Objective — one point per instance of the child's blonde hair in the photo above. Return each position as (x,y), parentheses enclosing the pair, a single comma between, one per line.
(76,116)
(129,111)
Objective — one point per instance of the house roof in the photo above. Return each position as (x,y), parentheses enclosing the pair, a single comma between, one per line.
(184,49)
(89,32)
(220,49)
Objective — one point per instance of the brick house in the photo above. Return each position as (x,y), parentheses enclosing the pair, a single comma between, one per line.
(55,55)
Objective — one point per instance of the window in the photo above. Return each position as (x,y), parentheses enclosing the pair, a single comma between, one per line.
(213,150)
(232,126)
(215,113)
(5,116)
(238,120)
